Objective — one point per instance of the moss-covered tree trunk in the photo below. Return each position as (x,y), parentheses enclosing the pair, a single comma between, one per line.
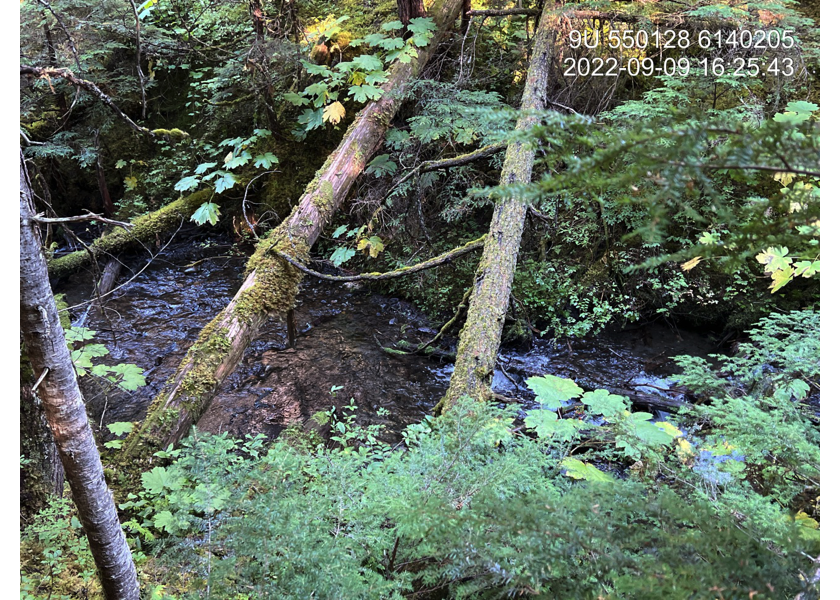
(271,283)
(65,410)
(479,340)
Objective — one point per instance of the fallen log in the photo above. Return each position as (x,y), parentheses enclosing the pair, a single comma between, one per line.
(144,230)
(482,333)
(271,284)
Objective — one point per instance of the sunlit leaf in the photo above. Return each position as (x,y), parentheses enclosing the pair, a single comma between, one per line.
(553,392)
(601,402)
(334,113)
(120,428)
(224,182)
(580,470)
(206,213)
(774,258)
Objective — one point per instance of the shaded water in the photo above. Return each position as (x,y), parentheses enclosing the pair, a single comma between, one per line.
(152,320)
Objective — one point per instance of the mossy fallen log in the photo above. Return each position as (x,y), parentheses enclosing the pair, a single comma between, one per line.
(271,283)
(481,335)
(145,230)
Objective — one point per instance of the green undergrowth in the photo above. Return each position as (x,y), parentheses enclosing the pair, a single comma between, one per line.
(577,497)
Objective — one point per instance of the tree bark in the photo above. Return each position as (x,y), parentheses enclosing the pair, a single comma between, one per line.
(479,340)
(410,9)
(271,283)
(65,411)
(43,477)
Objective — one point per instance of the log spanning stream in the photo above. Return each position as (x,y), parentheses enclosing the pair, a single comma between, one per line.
(152,320)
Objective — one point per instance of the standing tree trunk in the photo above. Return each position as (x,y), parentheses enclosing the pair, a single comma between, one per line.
(43,477)
(410,9)
(479,340)
(65,410)
(272,283)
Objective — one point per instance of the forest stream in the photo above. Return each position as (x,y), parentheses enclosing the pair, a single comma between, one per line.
(152,320)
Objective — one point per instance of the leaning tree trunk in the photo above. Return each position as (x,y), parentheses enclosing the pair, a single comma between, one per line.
(272,283)
(480,338)
(65,410)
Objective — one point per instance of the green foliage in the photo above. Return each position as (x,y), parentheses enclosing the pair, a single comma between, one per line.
(357,79)
(55,557)
(126,376)
(182,497)
(465,510)
(759,413)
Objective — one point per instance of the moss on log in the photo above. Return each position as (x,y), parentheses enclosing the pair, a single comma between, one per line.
(272,283)
(481,336)
(145,229)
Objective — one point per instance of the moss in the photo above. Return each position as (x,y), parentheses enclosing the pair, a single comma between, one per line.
(323,199)
(145,229)
(172,134)
(276,284)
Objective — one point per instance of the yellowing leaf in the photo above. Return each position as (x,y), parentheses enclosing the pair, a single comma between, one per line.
(333,113)
(130,183)
(668,428)
(783,178)
(806,521)
(780,279)
(690,264)
(773,259)
(684,451)
(580,470)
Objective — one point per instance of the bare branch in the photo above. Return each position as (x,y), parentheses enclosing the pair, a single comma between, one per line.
(75,52)
(89,216)
(504,12)
(86,85)
(427,264)
(140,74)
(457,161)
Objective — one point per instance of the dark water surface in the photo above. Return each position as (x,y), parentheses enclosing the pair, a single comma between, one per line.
(152,320)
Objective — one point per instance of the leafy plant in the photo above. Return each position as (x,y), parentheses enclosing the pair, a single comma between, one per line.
(471,507)
(126,376)
(357,79)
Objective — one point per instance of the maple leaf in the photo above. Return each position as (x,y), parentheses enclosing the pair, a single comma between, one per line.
(333,113)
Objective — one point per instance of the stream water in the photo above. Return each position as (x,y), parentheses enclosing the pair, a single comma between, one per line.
(152,320)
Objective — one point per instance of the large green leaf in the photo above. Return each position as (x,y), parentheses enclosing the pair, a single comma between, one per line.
(342,255)
(553,392)
(265,161)
(121,428)
(186,184)
(581,470)
(601,402)
(547,425)
(207,212)
(159,479)
(224,182)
